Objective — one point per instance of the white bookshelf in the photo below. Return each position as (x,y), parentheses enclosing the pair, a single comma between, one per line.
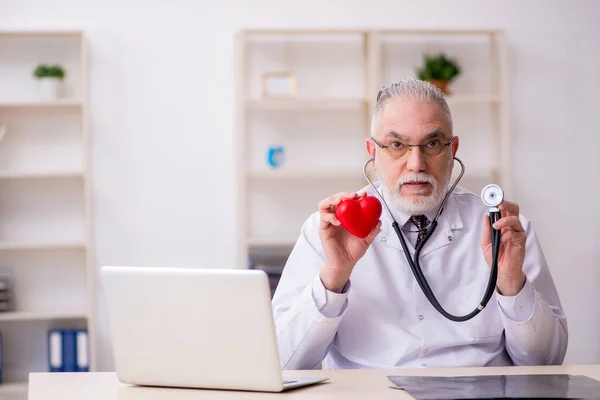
(45,209)
(323,127)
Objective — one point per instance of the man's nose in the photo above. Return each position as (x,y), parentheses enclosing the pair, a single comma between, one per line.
(416,159)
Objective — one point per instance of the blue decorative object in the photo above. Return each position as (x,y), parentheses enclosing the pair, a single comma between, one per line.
(275,156)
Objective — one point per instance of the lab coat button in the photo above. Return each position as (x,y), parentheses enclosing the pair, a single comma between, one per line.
(425,351)
(449,238)
(519,310)
(421,317)
(383,239)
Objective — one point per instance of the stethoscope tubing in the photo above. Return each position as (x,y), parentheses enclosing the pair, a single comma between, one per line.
(494,215)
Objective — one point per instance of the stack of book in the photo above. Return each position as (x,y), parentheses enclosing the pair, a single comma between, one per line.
(6,298)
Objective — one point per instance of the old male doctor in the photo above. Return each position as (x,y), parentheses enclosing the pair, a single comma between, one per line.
(346,302)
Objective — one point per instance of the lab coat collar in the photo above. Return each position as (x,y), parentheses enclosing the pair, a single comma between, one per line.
(448,221)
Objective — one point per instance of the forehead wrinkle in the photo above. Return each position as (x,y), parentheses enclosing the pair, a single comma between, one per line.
(397,135)
(433,134)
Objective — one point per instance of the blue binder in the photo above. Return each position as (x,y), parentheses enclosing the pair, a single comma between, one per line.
(68,350)
(55,352)
(1,358)
(83,359)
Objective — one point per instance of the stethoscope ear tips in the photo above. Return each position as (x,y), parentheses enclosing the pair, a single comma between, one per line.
(492,195)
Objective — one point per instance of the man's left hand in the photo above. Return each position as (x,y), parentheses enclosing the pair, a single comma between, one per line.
(511,254)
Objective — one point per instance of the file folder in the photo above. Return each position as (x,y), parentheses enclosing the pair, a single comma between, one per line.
(83,360)
(55,352)
(1,358)
(69,350)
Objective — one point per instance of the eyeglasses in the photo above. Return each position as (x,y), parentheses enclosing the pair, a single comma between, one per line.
(397,148)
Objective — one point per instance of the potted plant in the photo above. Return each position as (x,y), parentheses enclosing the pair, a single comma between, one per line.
(50,79)
(440,70)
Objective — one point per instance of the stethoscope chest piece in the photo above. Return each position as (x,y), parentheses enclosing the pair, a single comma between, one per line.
(492,195)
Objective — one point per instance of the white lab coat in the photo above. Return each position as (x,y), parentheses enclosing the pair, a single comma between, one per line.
(384,320)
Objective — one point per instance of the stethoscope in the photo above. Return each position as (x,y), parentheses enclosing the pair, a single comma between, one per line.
(492,196)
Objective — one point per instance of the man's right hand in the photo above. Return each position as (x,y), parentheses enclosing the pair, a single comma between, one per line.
(342,249)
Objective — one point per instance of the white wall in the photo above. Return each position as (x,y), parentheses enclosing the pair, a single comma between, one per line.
(163,123)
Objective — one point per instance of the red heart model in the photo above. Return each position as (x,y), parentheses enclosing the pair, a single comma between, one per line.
(359,217)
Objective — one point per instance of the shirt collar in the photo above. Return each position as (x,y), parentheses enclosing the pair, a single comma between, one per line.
(403,218)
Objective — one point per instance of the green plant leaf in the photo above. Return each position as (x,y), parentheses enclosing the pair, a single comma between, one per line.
(438,67)
(49,71)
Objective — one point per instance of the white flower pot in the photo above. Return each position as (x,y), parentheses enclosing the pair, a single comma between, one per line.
(49,88)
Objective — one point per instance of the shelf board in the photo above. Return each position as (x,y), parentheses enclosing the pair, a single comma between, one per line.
(40,315)
(472,99)
(300,175)
(20,245)
(13,388)
(305,104)
(40,33)
(351,104)
(272,241)
(38,104)
(39,175)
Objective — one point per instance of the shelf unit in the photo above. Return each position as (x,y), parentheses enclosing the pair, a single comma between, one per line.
(323,127)
(46,239)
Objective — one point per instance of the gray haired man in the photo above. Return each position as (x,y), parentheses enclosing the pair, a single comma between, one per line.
(350,302)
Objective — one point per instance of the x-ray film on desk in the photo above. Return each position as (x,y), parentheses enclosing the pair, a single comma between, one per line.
(557,386)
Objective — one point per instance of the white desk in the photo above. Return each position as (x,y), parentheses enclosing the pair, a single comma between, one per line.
(348,384)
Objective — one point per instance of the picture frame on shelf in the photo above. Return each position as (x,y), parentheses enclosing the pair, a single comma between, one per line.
(278,85)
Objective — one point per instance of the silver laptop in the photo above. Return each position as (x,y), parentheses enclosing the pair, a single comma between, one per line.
(194,328)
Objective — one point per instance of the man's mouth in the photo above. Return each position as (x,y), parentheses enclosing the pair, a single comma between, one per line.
(417,187)
(416,183)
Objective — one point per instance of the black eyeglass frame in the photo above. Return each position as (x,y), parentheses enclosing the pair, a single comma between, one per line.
(410,146)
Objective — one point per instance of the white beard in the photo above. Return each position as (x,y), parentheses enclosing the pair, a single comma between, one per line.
(418,204)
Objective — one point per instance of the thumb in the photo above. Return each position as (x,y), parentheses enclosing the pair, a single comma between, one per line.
(373,234)
(486,235)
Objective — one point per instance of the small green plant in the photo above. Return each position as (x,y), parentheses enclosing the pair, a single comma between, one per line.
(438,67)
(49,71)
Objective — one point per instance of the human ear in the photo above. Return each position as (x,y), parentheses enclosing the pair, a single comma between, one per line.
(454,146)
(370,148)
